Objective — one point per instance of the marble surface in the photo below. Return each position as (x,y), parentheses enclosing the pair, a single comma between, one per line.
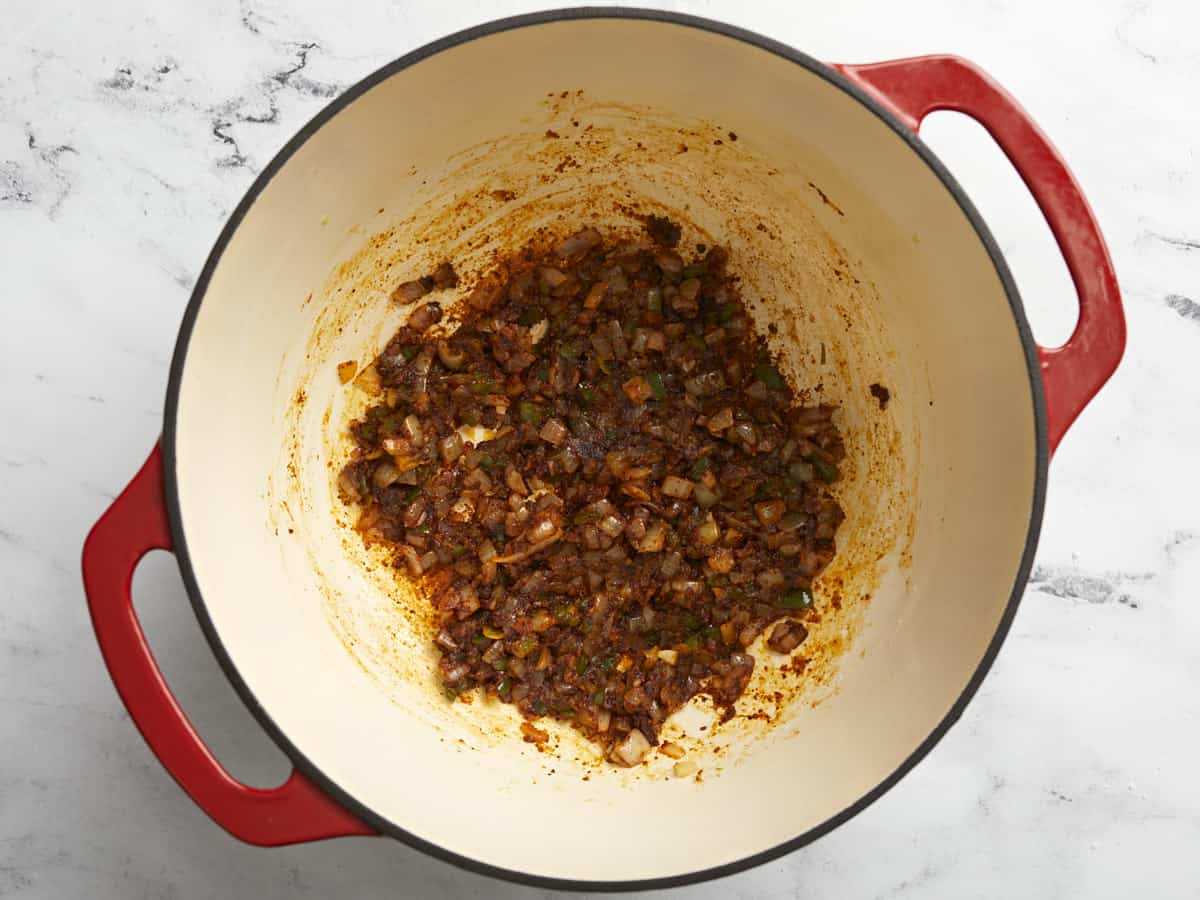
(128,131)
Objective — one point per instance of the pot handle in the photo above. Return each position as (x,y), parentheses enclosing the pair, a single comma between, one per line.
(1073,373)
(135,524)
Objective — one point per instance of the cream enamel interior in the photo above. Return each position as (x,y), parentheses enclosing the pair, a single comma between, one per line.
(888,275)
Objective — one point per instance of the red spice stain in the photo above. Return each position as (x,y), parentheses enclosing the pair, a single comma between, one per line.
(882,394)
(825,199)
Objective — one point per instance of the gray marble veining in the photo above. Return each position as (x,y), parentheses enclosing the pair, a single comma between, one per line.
(127,134)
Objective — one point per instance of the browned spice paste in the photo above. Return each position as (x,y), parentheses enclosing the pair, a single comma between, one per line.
(646,496)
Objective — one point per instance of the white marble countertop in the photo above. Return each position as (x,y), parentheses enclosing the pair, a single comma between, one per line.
(128,131)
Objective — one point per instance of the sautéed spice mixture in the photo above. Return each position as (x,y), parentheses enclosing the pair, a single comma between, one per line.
(600,480)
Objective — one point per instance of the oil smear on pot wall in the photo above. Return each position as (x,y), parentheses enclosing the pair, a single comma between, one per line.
(586,161)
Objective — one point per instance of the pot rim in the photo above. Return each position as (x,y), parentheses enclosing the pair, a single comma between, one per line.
(837,79)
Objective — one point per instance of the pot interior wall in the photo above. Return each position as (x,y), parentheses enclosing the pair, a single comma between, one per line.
(847,241)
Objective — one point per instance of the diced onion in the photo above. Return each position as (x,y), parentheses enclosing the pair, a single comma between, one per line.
(451,359)
(413,431)
(770,580)
(669,749)
(611,525)
(721,561)
(720,421)
(514,481)
(654,539)
(745,433)
(637,389)
(769,511)
(554,432)
(411,560)
(550,278)
(584,239)
(451,447)
(792,521)
(669,261)
(409,291)
(800,472)
(670,565)
(368,381)
(349,486)
(425,316)
(595,295)
(543,529)
(708,532)
(705,496)
(633,749)
(674,486)
(568,460)
(386,474)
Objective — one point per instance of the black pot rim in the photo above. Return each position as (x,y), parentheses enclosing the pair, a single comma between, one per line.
(387,827)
